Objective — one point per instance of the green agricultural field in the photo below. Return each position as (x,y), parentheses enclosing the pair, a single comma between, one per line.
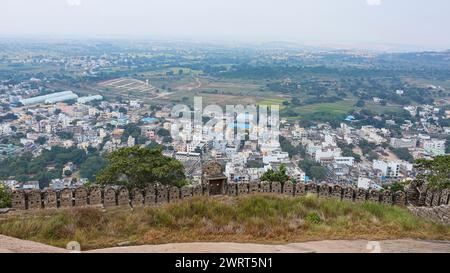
(380,109)
(273,101)
(338,108)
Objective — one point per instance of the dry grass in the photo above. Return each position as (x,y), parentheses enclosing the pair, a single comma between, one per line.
(258,219)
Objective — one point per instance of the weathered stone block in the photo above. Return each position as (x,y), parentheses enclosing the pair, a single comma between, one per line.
(150,195)
(288,189)
(34,199)
(66,198)
(336,192)
(174,194)
(50,199)
(311,188)
(324,190)
(387,197)
(361,195)
(253,187)
(81,197)
(265,187)
(198,190)
(445,196)
(186,192)
(439,214)
(429,198)
(276,187)
(400,198)
(95,196)
(205,189)
(123,197)
(18,200)
(162,194)
(242,188)
(300,189)
(374,196)
(109,199)
(436,198)
(137,198)
(348,193)
(232,189)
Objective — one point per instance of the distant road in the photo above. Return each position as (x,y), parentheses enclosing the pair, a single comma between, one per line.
(160,96)
(191,86)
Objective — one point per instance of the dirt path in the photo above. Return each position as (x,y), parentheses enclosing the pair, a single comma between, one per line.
(191,86)
(361,246)
(11,245)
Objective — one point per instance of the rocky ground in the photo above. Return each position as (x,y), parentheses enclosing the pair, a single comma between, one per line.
(13,245)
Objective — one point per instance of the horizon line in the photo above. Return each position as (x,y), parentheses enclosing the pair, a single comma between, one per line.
(380,47)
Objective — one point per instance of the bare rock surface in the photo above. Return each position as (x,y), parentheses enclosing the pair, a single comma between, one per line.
(13,245)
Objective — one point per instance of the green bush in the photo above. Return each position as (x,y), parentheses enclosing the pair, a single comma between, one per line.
(313,218)
(5,197)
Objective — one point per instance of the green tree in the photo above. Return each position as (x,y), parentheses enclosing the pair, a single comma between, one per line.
(360,103)
(318,172)
(276,176)
(286,146)
(313,169)
(41,140)
(403,154)
(134,131)
(65,135)
(372,156)
(5,197)
(92,166)
(436,173)
(396,186)
(163,132)
(138,167)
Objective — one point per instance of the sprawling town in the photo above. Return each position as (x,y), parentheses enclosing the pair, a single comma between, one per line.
(35,119)
(246,128)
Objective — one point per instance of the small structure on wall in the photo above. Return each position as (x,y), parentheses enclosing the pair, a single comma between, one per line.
(214,178)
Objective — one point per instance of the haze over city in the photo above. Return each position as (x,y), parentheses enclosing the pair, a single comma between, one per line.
(228,126)
(372,24)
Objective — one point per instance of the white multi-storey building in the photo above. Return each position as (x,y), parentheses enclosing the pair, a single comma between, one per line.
(409,143)
(389,169)
(435,147)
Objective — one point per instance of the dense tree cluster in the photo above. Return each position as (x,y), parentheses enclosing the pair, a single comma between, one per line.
(436,173)
(48,165)
(139,167)
(276,176)
(292,150)
(313,169)
(5,197)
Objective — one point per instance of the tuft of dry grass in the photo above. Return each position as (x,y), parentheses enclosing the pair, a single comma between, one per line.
(261,218)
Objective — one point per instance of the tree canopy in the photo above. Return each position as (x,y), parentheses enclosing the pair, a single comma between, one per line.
(44,168)
(276,176)
(436,173)
(139,167)
(91,167)
(403,154)
(5,197)
(313,169)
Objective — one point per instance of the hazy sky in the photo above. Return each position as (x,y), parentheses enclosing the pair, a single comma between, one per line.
(412,22)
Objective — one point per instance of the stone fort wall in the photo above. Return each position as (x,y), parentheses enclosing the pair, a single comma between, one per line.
(158,194)
(436,214)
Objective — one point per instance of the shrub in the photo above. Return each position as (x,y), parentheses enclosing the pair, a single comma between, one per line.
(313,218)
(5,197)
